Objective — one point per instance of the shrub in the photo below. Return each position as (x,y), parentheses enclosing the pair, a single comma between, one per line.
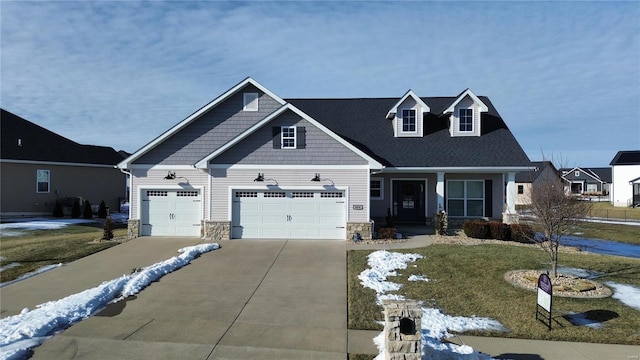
(108,229)
(57,209)
(102,210)
(87,213)
(499,231)
(387,233)
(75,210)
(521,233)
(476,229)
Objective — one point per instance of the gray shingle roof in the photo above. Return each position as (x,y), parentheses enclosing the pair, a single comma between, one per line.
(531,176)
(40,144)
(362,122)
(626,158)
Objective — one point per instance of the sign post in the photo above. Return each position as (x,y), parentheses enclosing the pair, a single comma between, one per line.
(543,308)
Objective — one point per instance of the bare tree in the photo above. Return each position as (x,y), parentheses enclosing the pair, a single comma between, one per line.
(554,212)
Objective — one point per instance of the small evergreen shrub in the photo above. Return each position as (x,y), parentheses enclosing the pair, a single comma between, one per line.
(521,233)
(102,210)
(499,231)
(387,233)
(87,213)
(107,234)
(57,209)
(75,210)
(476,229)
(442,224)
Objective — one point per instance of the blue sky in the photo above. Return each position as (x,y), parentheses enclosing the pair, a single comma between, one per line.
(565,76)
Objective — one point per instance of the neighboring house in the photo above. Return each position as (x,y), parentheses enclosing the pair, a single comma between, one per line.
(626,179)
(250,164)
(39,167)
(587,181)
(526,182)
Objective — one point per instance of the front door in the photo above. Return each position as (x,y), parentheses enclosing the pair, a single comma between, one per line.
(408,200)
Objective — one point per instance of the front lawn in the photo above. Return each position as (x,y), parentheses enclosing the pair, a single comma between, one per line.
(37,248)
(469,280)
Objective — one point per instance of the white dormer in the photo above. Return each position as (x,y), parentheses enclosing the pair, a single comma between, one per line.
(465,115)
(407,116)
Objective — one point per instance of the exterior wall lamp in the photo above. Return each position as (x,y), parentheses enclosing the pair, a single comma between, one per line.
(260,177)
(316,178)
(170,175)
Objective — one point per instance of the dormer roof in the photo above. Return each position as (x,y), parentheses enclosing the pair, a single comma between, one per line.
(469,93)
(394,110)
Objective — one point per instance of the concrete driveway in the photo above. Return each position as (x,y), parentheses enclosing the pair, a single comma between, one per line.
(251,299)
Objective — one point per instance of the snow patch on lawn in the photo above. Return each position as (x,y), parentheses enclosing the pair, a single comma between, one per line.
(628,294)
(435,324)
(30,328)
(18,228)
(418,278)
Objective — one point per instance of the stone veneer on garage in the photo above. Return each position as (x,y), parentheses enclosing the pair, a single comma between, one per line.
(216,230)
(133,228)
(364,229)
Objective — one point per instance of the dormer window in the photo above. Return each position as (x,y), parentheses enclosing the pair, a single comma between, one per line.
(250,102)
(409,120)
(466,120)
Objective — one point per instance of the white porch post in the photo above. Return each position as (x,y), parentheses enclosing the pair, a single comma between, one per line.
(440,191)
(510,215)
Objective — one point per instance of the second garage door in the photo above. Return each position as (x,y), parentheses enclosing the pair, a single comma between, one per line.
(288,214)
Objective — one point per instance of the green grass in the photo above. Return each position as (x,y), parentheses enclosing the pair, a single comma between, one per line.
(606,210)
(37,248)
(469,280)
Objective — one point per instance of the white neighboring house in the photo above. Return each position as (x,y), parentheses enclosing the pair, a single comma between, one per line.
(626,179)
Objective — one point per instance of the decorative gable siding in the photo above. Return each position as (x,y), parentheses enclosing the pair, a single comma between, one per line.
(466,103)
(319,148)
(408,104)
(210,131)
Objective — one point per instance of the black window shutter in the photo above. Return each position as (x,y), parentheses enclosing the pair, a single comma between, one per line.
(276,137)
(301,137)
(488,198)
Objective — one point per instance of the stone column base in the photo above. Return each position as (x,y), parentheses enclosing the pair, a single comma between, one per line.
(133,228)
(510,218)
(365,229)
(216,230)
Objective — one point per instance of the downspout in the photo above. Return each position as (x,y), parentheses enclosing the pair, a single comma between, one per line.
(130,188)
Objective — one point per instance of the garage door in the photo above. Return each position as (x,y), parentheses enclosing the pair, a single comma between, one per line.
(171,212)
(288,214)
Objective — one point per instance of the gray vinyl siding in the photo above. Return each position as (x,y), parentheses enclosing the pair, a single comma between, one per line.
(320,148)
(354,180)
(154,179)
(212,130)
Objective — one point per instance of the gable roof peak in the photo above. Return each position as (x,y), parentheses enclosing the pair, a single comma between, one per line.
(463,94)
(394,110)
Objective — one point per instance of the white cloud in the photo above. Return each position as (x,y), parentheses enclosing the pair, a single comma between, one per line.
(121,73)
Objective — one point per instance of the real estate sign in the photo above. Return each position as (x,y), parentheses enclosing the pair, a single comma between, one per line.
(545,289)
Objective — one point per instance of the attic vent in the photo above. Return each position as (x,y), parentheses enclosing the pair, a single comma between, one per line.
(20,142)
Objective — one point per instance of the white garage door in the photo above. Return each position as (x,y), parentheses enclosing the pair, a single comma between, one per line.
(171,212)
(288,214)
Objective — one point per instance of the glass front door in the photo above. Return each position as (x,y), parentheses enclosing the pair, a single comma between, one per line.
(408,201)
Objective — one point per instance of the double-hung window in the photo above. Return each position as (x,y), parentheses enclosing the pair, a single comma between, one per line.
(465,198)
(408,120)
(375,189)
(43,179)
(466,120)
(288,137)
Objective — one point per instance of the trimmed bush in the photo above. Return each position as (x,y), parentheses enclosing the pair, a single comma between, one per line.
(476,229)
(387,233)
(102,210)
(75,210)
(521,233)
(87,213)
(107,234)
(499,231)
(57,209)
(442,224)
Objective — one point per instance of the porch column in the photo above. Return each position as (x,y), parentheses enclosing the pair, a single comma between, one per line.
(440,191)
(510,215)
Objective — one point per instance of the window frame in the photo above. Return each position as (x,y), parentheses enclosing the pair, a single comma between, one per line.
(283,138)
(466,116)
(380,188)
(38,182)
(465,198)
(250,101)
(412,115)
(520,189)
